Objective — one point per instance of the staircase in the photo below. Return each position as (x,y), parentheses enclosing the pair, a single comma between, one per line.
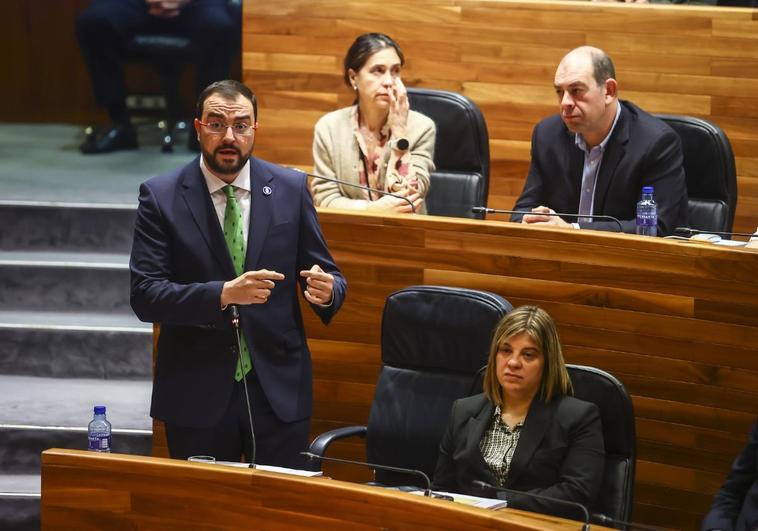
(68,341)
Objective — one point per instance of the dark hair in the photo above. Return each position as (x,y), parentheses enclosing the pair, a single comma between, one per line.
(602,67)
(364,47)
(228,89)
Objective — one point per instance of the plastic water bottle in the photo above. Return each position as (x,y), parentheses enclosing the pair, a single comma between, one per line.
(99,432)
(647,213)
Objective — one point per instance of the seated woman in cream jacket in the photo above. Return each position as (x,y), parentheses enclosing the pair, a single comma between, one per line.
(377,142)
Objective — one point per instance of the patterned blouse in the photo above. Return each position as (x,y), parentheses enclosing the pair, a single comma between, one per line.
(369,174)
(498,444)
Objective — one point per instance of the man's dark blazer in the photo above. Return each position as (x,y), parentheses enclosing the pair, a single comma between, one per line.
(735,506)
(560,453)
(179,264)
(642,151)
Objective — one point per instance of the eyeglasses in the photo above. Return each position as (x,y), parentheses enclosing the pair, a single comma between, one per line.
(216,127)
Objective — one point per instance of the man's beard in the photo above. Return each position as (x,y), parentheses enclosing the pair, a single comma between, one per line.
(212,160)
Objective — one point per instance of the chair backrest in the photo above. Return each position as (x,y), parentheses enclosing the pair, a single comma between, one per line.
(434,339)
(617,415)
(461,152)
(710,172)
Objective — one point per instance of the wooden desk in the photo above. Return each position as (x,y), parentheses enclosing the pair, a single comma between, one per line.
(677,323)
(84,490)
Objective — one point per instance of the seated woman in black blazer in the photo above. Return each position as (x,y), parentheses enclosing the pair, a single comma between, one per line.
(525,432)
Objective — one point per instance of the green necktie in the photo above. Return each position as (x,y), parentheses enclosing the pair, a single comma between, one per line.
(235,240)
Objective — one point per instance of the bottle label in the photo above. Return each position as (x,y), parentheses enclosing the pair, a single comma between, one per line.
(100,443)
(647,220)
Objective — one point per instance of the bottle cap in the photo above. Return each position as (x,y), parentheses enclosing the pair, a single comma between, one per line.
(647,189)
(99,410)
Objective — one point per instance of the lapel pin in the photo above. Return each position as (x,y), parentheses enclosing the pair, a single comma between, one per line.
(267,190)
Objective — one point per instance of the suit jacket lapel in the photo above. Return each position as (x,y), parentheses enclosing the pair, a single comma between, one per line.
(198,200)
(614,152)
(537,422)
(475,429)
(262,199)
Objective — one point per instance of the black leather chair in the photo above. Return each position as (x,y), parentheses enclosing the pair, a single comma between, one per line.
(710,172)
(461,152)
(434,339)
(617,415)
(168,55)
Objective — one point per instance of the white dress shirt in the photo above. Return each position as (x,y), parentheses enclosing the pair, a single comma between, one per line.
(241,190)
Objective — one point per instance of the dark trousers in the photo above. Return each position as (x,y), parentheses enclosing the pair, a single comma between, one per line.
(105,27)
(277,443)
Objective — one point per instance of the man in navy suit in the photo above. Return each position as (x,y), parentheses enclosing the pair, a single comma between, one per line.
(735,506)
(187,274)
(595,157)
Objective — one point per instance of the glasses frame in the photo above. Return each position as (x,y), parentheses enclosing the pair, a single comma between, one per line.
(254,126)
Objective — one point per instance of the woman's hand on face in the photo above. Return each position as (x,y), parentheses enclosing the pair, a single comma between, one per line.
(398,116)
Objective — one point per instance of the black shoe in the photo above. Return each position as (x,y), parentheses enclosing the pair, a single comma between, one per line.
(116,138)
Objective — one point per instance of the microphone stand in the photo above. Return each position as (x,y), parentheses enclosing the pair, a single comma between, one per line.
(485,210)
(362,187)
(236,325)
(427,492)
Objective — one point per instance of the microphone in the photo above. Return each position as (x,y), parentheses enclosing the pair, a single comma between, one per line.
(362,187)
(236,325)
(602,519)
(485,210)
(427,492)
(691,232)
(484,486)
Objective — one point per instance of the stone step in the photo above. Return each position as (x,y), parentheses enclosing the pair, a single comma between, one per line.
(64,281)
(23,444)
(76,345)
(19,510)
(68,402)
(54,226)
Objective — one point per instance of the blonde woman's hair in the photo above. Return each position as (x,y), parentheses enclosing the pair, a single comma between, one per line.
(541,328)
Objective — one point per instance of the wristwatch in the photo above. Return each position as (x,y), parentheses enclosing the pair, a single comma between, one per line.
(402,144)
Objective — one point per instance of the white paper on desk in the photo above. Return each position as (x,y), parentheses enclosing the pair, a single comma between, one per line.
(473,501)
(277,469)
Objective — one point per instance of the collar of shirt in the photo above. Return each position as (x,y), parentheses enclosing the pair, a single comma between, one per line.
(242,190)
(242,181)
(497,415)
(579,139)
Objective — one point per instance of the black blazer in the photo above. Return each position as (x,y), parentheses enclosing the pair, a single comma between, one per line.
(735,506)
(560,453)
(179,263)
(642,151)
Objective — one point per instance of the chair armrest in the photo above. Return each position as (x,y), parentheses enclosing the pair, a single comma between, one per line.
(322,442)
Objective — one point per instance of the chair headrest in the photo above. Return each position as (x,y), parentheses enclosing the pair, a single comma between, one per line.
(616,411)
(439,327)
(462,142)
(708,158)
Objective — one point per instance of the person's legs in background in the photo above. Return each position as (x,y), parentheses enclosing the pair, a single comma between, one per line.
(215,28)
(102,30)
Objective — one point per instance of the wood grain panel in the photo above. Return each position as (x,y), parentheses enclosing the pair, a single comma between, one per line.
(88,491)
(503,56)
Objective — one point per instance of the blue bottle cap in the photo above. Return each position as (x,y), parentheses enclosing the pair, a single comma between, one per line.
(647,189)
(99,410)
